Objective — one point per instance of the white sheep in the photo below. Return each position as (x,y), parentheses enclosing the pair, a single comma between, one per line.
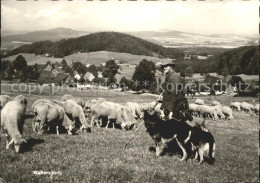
(12,121)
(52,115)
(206,111)
(215,103)
(193,108)
(246,107)
(40,101)
(199,102)
(227,111)
(219,111)
(236,105)
(76,113)
(78,100)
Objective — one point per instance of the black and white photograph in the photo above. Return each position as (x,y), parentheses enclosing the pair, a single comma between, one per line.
(129,91)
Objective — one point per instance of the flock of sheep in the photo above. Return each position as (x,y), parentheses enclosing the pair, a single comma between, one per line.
(72,113)
(66,115)
(218,111)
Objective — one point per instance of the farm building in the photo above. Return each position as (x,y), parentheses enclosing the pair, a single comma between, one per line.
(47,77)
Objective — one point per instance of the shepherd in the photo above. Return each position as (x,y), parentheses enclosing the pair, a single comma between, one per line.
(172,91)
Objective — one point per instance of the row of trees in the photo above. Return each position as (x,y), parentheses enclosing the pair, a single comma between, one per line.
(18,69)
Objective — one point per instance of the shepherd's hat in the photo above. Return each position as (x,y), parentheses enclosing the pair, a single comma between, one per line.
(171,64)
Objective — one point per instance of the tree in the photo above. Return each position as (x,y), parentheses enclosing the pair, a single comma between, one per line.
(189,71)
(25,74)
(124,82)
(144,74)
(225,72)
(35,72)
(182,74)
(111,69)
(93,69)
(10,72)
(19,63)
(79,67)
(63,64)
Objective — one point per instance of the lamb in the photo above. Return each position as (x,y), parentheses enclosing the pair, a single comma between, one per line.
(227,111)
(51,115)
(215,103)
(236,105)
(199,102)
(3,100)
(12,122)
(75,112)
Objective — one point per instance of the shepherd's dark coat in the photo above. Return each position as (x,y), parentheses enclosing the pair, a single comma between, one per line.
(171,93)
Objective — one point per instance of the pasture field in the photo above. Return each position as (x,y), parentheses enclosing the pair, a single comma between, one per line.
(101,157)
(95,58)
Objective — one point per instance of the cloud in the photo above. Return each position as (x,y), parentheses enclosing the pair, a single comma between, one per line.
(239,17)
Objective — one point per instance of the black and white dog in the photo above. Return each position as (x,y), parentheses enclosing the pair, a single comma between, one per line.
(197,138)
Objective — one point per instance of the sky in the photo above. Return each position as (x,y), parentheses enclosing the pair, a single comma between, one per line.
(202,17)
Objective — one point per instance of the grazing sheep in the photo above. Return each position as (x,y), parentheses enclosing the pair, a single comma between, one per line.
(246,107)
(236,105)
(51,115)
(75,112)
(3,100)
(227,111)
(66,97)
(12,121)
(40,101)
(199,102)
(257,108)
(89,103)
(215,103)
(206,111)
(219,112)
(22,100)
(135,109)
(116,114)
(78,100)
(193,109)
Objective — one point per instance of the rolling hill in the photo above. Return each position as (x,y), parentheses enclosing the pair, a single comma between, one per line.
(14,40)
(102,41)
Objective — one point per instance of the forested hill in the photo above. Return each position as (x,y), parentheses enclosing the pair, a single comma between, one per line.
(102,41)
(242,60)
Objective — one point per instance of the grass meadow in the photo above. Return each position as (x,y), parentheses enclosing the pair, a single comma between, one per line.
(100,156)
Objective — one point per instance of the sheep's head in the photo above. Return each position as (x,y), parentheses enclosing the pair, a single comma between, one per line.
(18,142)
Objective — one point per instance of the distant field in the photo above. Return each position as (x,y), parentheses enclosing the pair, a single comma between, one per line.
(89,58)
(101,156)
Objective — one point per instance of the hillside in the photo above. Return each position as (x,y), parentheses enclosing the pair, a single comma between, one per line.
(102,41)
(14,40)
(243,60)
